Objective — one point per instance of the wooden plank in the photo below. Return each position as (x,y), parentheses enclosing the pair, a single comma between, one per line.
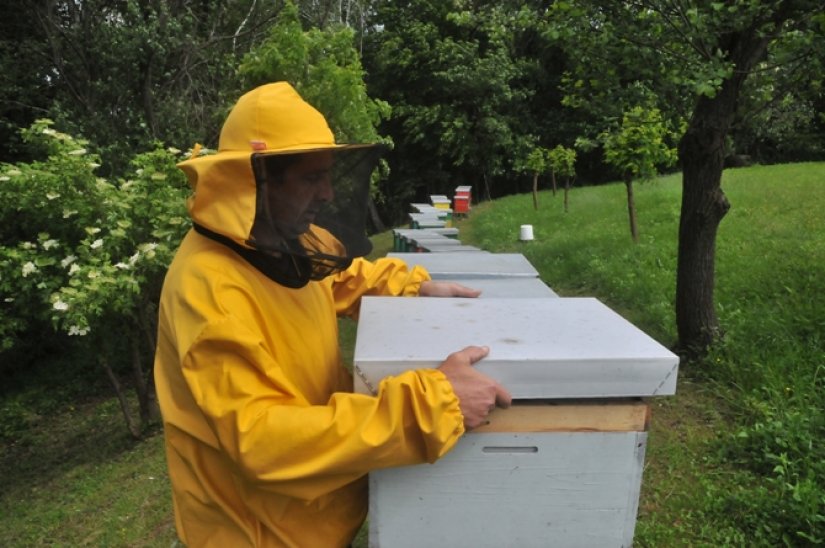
(584,416)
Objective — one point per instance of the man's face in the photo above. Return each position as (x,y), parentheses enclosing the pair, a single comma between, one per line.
(304,188)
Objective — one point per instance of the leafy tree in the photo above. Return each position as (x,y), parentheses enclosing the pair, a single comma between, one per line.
(536,162)
(89,254)
(692,58)
(781,117)
(324,14)
(129,73)
(326,69)
(25,93)
(636,149)
(559,161)
(457,83)
(563,163)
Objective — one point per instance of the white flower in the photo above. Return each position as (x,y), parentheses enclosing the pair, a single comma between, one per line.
(97,243)
(4,178)
(60,305)
(14,172)
(27,245)
(48,131)
(148,249)
(78,152)
(74,330)
(123,266)
(74,268)
(93,274)
(29,268)
(173,150)
(9,299)
(68,213)
(134,258)
(48,244)
(52,195)
(67,261)
(94,165)
(91,230)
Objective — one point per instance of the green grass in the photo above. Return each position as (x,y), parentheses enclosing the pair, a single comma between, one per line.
(735,458)
(77,479)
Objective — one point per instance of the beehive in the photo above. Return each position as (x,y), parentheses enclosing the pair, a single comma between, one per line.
(563,466)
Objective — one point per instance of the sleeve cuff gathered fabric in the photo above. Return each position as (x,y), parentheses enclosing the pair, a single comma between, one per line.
(383,277)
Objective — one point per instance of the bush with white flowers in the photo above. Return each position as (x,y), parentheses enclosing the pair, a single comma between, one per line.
(85,253)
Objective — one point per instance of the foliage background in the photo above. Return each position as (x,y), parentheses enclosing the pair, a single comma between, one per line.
(734,458)
(107,94)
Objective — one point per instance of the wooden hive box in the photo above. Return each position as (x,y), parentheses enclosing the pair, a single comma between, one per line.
(563,466)
(538,475)
(440,201)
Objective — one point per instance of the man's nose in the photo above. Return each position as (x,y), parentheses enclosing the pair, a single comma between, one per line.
(324,192)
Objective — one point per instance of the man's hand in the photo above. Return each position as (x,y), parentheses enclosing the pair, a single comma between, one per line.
(477,393)
(446,289)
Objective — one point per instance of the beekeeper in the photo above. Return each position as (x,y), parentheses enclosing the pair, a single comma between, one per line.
(266,443)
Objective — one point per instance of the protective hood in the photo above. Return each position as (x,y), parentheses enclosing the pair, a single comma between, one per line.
(280,191)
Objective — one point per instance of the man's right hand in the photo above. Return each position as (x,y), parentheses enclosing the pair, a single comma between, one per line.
(477,393)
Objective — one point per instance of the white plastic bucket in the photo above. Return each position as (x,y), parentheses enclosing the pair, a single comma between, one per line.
(526,232)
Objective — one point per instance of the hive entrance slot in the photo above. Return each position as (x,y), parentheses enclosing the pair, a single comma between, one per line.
(508,449)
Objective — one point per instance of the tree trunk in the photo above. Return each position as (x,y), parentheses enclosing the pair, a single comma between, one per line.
(535,190)
(702,154)
(704,204)
(631,206)
(143,387)
(147,325)
(486,186)
(134,429)
(553,180)
(377,224)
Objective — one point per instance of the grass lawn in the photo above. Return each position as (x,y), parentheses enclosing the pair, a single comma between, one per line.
(735,458)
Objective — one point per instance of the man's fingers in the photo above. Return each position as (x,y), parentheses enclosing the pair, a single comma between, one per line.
(463,291)
(446,289)
(475,353)
(478,394)
(503,396)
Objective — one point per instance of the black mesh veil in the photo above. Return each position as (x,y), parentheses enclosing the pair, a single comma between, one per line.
(310,219)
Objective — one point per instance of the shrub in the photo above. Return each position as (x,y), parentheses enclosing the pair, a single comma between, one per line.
(88,255)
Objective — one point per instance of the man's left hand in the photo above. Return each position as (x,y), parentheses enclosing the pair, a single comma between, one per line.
(446,289)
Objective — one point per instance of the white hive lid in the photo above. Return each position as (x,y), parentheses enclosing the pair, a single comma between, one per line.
(472,265)
(539,348)
(510,287)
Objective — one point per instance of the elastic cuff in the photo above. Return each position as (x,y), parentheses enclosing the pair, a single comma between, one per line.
(415,278)
(453,407)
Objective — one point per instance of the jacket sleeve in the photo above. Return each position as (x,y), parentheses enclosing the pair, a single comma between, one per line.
(278,440)
(386,276)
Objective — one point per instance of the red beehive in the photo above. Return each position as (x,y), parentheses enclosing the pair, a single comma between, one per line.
(461,200)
